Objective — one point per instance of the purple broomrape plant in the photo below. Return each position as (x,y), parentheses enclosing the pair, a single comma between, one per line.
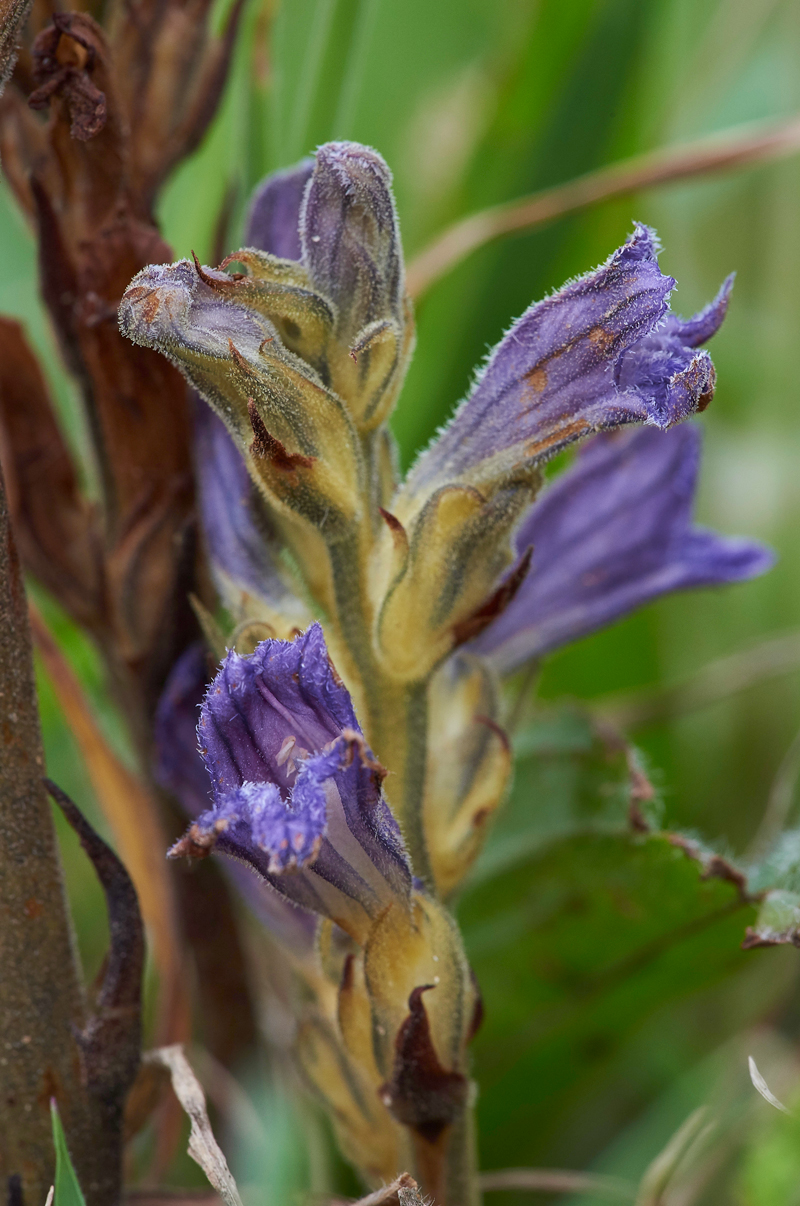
(601,352)
(302,354)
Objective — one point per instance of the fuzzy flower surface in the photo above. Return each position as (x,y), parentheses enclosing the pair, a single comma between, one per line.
(297,792)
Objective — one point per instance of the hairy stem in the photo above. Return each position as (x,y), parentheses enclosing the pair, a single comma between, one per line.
(447,1168)
(396,714)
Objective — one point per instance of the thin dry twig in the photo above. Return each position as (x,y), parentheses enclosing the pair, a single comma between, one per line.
(403,1191)
(779,802)
(556,1180)
(735,148)
(203,1147)
(716,681)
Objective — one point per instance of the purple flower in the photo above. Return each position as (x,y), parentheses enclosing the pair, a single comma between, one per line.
(612,533)
(179,768)
(273,221)
(297,793)
(601,352)
(350,237)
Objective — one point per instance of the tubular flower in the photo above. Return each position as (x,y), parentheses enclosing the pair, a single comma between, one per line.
(179,768)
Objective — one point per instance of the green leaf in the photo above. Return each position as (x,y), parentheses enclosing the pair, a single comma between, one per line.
(580,930)
(68,1191)
(770,1168)
(574,948)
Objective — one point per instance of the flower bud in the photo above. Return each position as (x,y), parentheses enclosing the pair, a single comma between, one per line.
(301,444)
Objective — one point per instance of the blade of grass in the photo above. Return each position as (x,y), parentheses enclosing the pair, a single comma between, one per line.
(354,71)
(66,1190)
(309,76)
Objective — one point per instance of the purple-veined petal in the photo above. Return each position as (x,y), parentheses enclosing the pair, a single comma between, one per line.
(273,223)
(263,709)
(588,358)
(302,844)
(612,533)
(369,820)
(350,237)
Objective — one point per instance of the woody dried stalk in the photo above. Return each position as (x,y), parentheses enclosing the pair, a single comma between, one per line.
(42,1007)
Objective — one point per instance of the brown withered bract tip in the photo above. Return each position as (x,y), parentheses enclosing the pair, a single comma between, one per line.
(355,740)
(422,1094)
(399,534)
(269,448)
(195,843)
(496,728)
(220,281)
(238,359)
(472,626)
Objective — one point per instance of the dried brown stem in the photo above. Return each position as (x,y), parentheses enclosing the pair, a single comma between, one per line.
(41,997)
(736,148)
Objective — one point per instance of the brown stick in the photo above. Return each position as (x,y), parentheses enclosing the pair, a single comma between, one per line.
(556,1180)
(41,998)
(718,680)
(736,148)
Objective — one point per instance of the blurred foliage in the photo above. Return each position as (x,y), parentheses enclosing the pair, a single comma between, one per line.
(617,996)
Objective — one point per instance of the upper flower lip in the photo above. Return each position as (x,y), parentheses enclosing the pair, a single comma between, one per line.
(600,352)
